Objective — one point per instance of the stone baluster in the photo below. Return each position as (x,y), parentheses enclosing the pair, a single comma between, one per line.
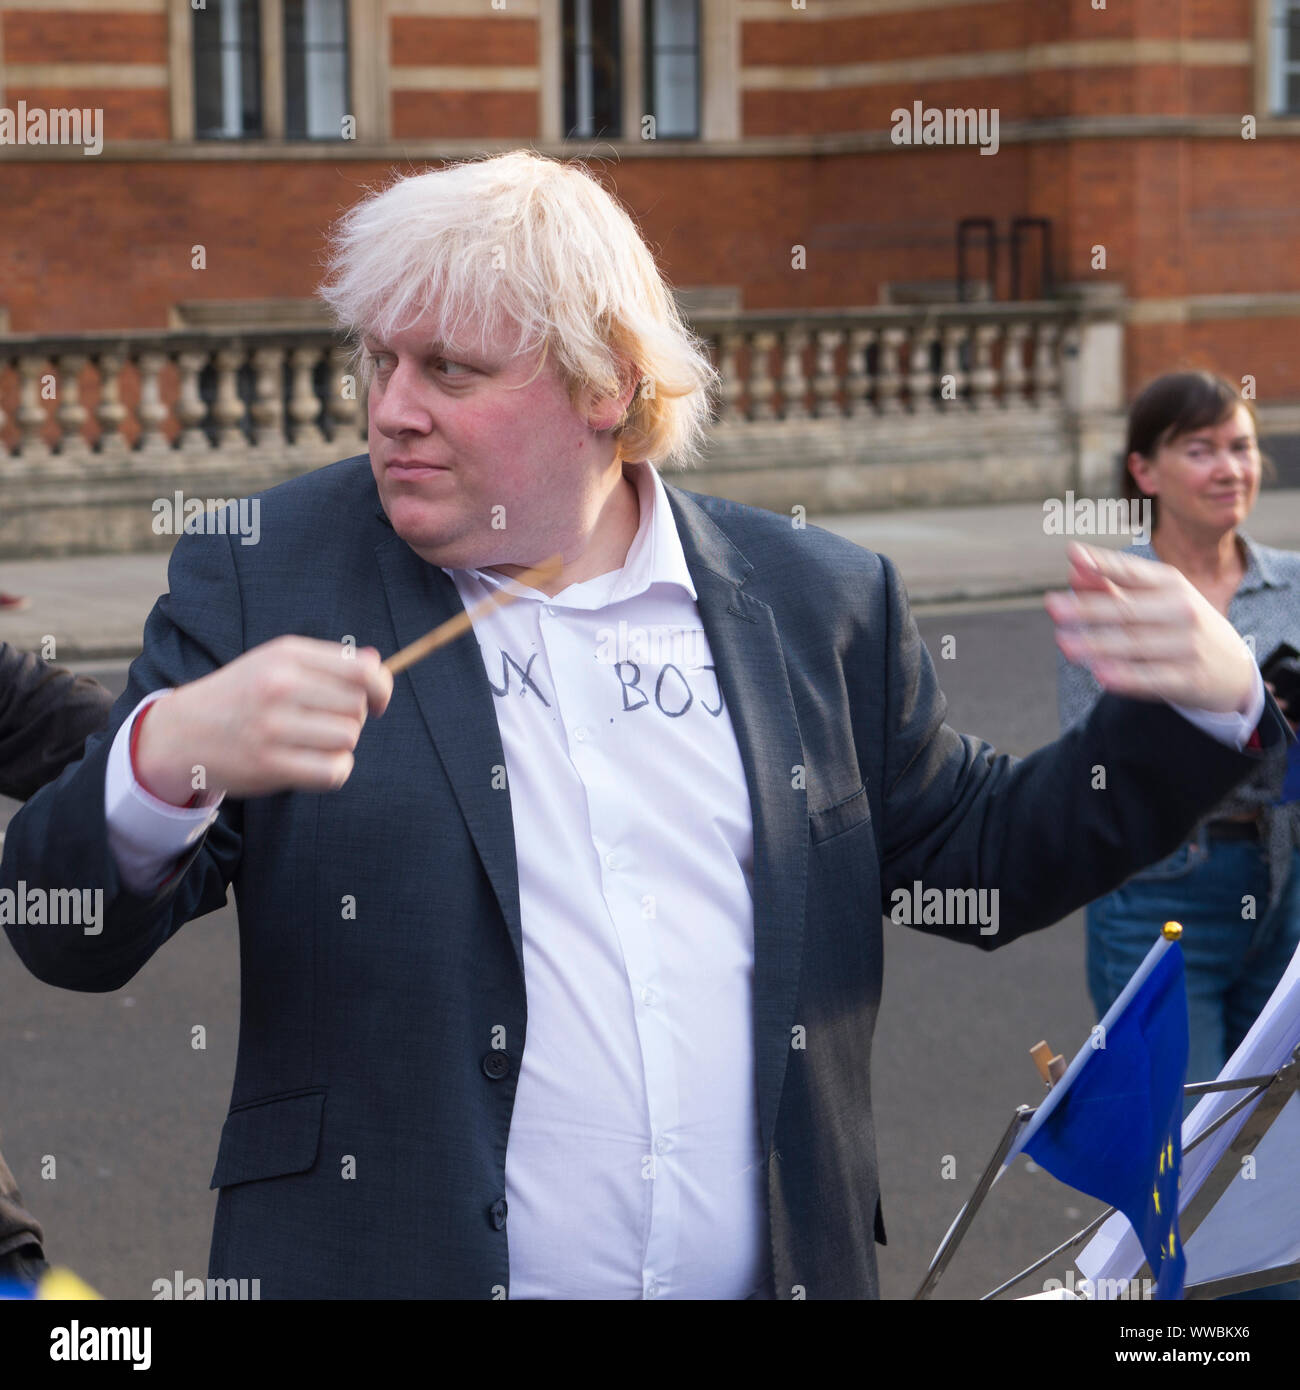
(267,409)
(984,377)
(794,385)
(190,409)
(857,382)
(761,386)
(1015,375)
(31,415)
(71,414)
(304,404)
(954,377)
(1047,368)
(826,381)
(889,380)
(730,386)
(920,375)
(110,413)
(152,412)
(344,408)
(228,408)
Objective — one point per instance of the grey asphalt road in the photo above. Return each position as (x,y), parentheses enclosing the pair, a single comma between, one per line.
(111,1096)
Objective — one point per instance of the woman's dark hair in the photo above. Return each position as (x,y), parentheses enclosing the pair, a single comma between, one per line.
(1171,406)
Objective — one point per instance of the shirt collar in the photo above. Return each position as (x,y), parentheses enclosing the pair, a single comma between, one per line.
(654,557)
(1261,572)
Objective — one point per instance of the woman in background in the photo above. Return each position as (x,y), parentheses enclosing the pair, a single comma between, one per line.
(1192,451)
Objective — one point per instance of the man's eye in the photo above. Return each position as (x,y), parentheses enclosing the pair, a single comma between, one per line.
(444,363)
(377,360)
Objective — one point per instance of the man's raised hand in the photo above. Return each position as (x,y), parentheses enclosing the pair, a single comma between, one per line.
(284,716)
(1146,632)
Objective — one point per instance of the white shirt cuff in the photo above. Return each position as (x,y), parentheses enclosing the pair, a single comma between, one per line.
(145,835)
(1231,728)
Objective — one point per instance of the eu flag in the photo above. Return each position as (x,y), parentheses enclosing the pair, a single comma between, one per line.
(1115,1129)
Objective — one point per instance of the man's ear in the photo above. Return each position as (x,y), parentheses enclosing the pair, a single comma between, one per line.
(606,412)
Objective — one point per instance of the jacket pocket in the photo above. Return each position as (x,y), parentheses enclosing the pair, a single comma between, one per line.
(842,816)
(270,1138)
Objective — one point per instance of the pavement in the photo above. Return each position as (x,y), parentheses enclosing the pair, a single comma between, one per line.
(95,606)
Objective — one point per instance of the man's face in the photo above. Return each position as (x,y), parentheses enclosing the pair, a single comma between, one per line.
(474,468)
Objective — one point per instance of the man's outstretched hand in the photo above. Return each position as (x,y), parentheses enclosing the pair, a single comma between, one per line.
(284,716)
(1146,632)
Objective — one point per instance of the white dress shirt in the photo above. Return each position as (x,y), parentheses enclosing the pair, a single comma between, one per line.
(633,1167)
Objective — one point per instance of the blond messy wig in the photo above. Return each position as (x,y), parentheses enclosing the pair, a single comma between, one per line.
(519,240)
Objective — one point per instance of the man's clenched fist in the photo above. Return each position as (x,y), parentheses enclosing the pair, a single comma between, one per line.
(284,716)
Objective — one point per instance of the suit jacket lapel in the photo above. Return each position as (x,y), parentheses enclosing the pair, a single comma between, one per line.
(451,689)
(751,673)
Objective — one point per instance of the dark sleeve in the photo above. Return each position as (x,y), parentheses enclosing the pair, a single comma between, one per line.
(59,839)
(18,1227)
(1052,831)
(46,715)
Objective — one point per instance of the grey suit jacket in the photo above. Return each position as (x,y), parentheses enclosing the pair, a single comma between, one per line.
(365,1045)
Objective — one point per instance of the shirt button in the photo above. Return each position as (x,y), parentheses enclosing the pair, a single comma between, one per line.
(495,1065)
(580,733)
(662,1145)
(651,1289)
(550,612)
(648,997)
(611,861)
(497,1214)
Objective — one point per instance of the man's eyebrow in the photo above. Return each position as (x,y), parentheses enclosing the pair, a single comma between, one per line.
(435,345)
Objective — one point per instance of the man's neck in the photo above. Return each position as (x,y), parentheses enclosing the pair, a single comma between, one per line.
(607,541)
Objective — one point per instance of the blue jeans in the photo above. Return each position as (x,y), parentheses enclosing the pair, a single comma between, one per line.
(1232,963)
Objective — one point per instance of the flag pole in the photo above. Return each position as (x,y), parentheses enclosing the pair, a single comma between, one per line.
(948,1245)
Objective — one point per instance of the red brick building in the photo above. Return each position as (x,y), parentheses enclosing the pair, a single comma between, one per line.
(246,125)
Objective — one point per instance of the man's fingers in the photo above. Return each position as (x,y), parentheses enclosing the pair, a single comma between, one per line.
(329,733)
(1119,609)
(1101,644)
(1128,571)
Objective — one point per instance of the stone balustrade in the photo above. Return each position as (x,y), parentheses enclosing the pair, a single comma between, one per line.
(828,409)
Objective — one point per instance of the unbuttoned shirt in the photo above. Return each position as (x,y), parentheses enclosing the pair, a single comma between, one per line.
(633,1167)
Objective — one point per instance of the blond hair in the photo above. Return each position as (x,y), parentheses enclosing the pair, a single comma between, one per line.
(520,239)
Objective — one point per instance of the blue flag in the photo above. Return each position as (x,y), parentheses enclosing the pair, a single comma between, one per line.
(1112,1126)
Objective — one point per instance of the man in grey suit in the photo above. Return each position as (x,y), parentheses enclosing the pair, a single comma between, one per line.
(561,953)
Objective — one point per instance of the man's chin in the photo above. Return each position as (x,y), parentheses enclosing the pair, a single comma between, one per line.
(443,547)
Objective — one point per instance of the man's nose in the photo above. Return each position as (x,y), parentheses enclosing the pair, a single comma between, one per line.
(399,404)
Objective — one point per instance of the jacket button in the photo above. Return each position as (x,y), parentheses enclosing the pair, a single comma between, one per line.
(497,1214)
(495,1065)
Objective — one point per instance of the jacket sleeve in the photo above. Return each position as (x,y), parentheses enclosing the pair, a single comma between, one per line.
(1049,832)
(46,715)
(58,840)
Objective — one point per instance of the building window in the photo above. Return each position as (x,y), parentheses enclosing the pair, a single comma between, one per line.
(1285,50)
(315,68)
(227,70)
(672,67)
(593,86)
(266,69)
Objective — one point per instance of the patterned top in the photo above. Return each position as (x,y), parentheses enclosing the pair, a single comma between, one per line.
(1265,610)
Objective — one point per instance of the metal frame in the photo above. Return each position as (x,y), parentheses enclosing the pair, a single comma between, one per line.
(1272,1091)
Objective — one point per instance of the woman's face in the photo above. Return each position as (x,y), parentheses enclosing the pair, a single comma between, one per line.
(1208,479)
